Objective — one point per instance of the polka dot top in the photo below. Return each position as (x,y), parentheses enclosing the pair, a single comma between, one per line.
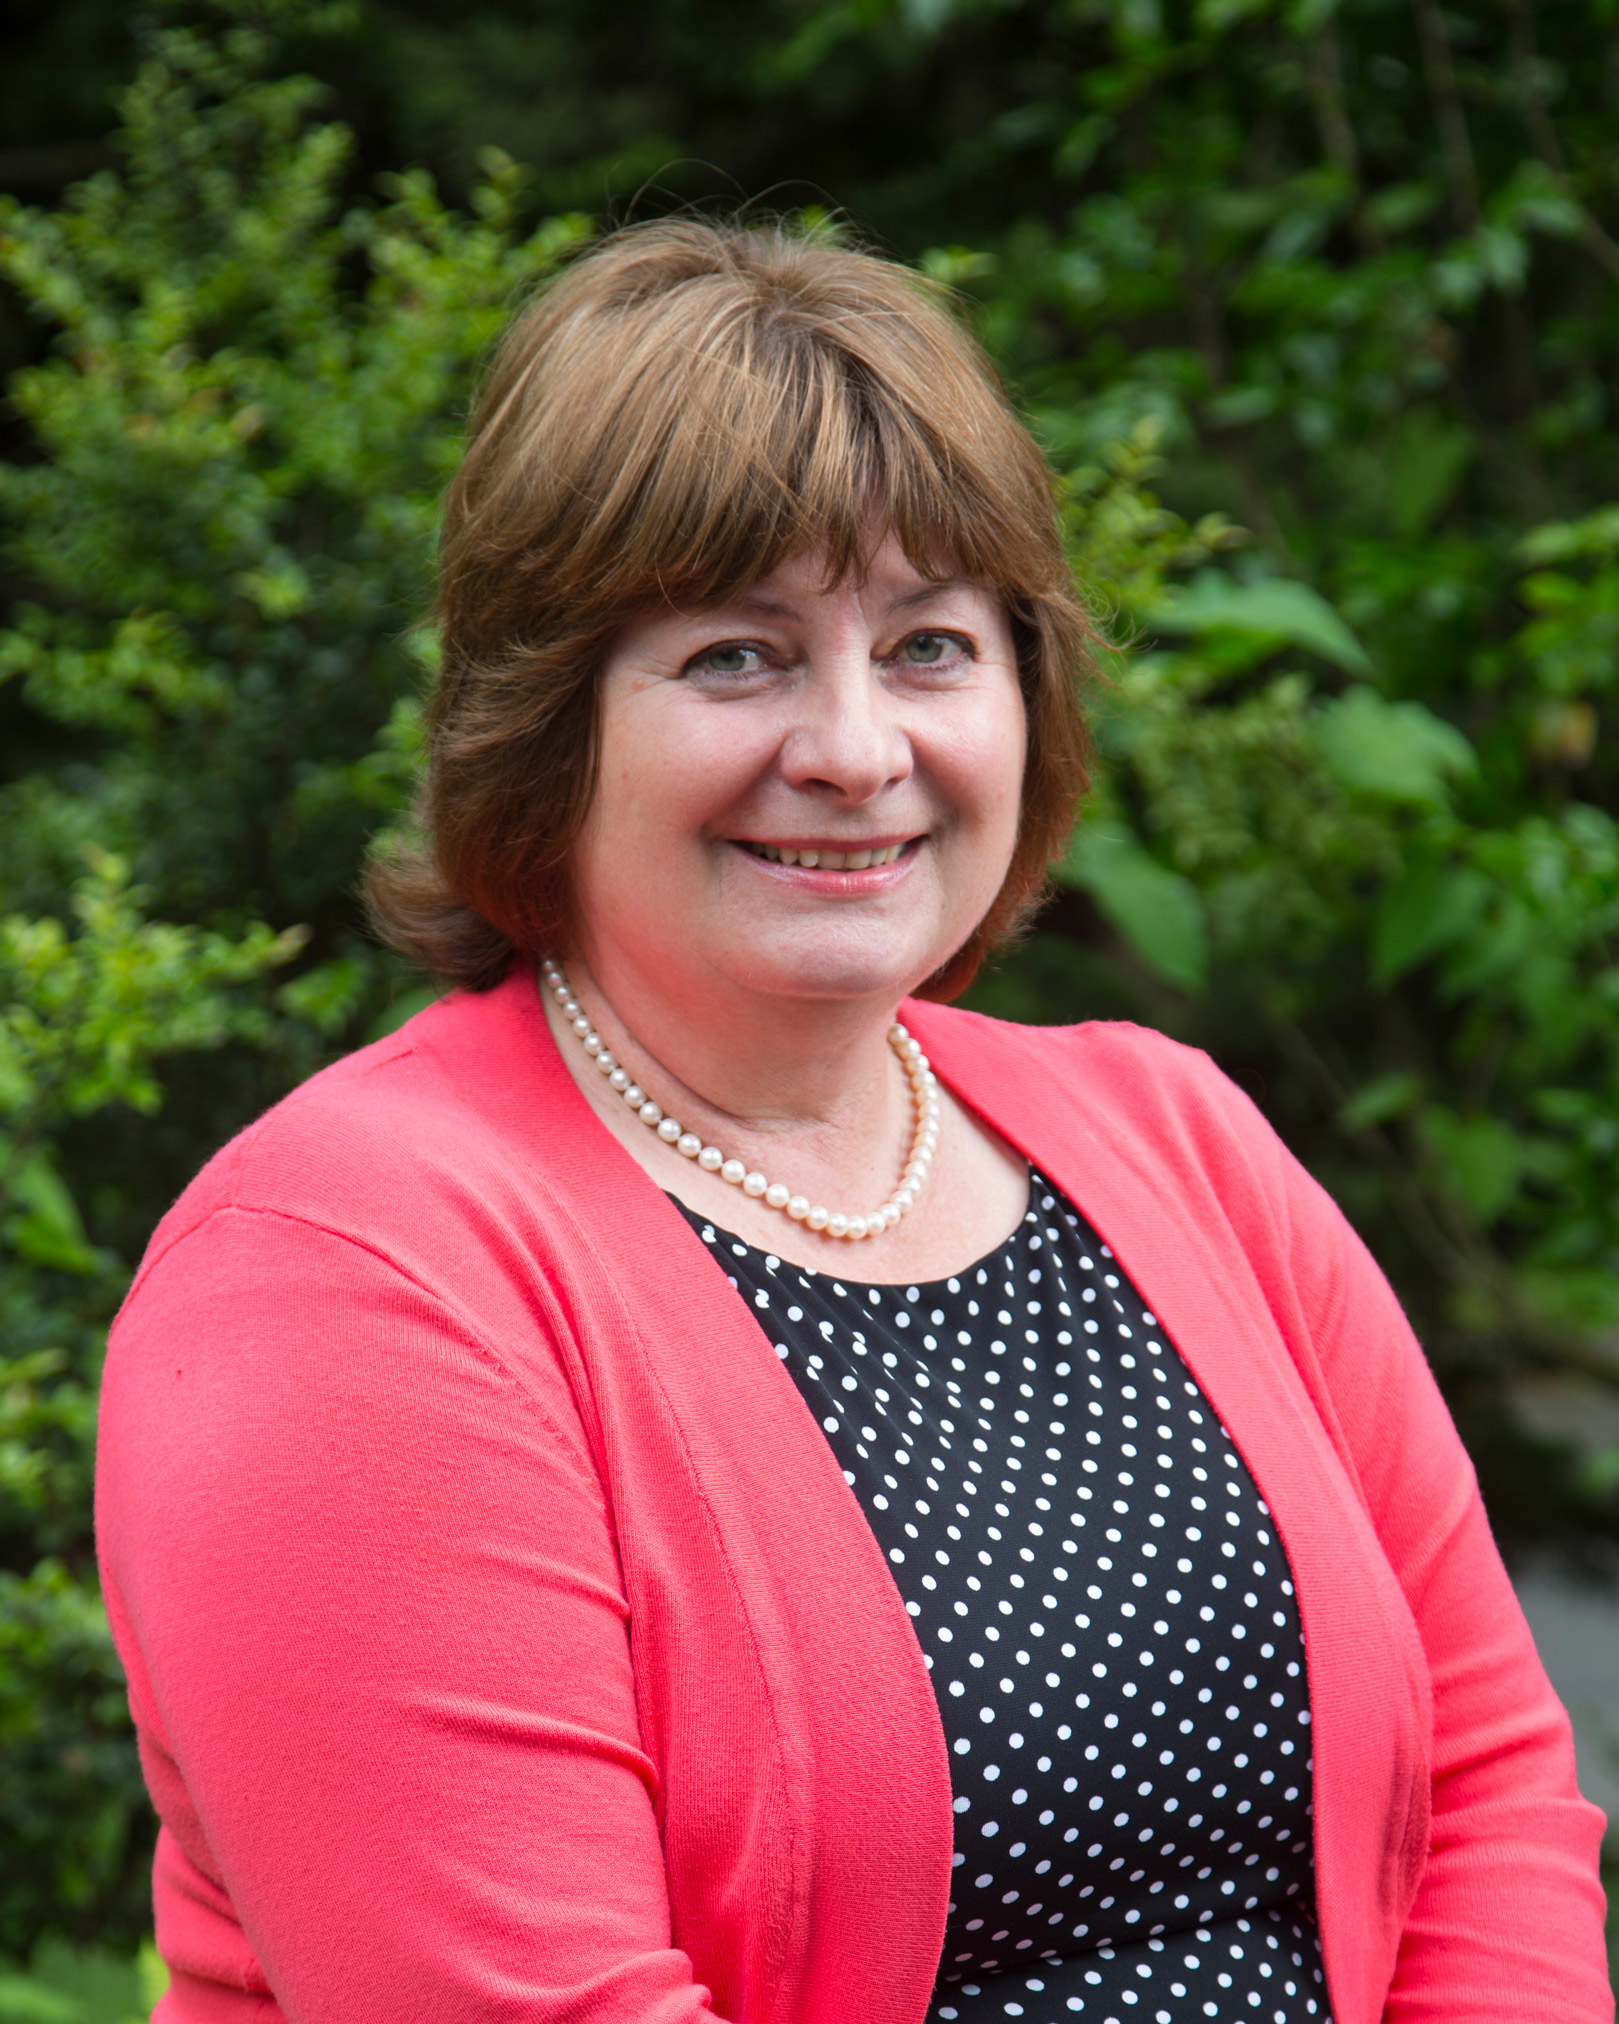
(1106,1615)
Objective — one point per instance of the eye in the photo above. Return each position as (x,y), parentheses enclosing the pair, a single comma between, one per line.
(932,649)
(731,657)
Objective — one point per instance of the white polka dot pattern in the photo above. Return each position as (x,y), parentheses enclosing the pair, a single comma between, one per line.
(1107,1617)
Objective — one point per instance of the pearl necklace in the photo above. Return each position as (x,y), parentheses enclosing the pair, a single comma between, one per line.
(924,1140)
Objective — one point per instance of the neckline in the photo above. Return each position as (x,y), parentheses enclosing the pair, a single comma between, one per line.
(900,1286)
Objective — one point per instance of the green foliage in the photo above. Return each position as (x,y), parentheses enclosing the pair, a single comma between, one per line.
(222,536)
(242,444)
(1339,889)
(70,1985)
(86,1012)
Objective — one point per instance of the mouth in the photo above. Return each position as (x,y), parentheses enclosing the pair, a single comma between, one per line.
(813,858)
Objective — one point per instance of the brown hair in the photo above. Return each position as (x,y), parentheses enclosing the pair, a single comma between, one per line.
(684,409)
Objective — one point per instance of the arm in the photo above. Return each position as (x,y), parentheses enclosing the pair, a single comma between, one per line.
(368,1599)
(1507,1921)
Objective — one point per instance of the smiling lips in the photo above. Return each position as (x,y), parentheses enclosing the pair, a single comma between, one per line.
(825,860)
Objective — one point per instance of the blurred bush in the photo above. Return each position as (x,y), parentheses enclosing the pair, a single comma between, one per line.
(222,530)
(1316,309)
(82,1985)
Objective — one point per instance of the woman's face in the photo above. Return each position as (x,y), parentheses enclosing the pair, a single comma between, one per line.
(880,720)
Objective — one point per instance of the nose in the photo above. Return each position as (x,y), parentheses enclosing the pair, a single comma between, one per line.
(847,740)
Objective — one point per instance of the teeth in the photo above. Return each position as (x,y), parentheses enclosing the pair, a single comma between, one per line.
(826,860)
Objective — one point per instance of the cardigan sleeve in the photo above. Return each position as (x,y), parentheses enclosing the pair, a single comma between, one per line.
(1507,1922)
(366,1591)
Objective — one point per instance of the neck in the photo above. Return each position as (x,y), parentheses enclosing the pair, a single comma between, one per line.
(688,1139)
(761,1066)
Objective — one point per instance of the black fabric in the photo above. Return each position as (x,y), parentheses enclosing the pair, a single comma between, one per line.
(1107,1618)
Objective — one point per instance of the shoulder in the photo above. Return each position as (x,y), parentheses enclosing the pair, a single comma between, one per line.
(1108,1107)
(390,1142)
(1125,1077)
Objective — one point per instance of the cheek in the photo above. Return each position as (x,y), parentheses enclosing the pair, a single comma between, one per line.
(985,764)
(667,772)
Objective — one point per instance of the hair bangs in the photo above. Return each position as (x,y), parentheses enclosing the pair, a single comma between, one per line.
(684,409)
(741,438)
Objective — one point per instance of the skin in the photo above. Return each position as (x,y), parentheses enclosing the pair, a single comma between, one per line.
(753,999)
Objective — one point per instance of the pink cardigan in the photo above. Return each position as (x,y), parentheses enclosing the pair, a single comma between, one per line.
(505,1643)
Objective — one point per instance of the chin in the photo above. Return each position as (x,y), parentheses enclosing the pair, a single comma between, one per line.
(835,969)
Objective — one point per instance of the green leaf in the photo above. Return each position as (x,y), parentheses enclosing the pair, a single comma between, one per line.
(325,996)
(404,1007)
(47,1229)
(1393,751)
(152,1975)
(1275,608)
(1158,912)
(1425,466)
(25,2001)
(1481,1158)
(1567,540)
(1375,1102)
(1425,911)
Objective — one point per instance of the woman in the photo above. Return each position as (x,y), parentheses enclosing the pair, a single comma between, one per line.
(665,1485)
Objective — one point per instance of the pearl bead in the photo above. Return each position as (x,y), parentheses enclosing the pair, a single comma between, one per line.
(924,1087)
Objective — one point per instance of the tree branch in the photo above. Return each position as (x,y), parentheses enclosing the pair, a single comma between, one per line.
(1542,132)
(1449,117)
(1323,67)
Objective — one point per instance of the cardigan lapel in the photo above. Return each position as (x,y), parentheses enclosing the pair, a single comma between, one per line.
(805,1797)
(1087,1108)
